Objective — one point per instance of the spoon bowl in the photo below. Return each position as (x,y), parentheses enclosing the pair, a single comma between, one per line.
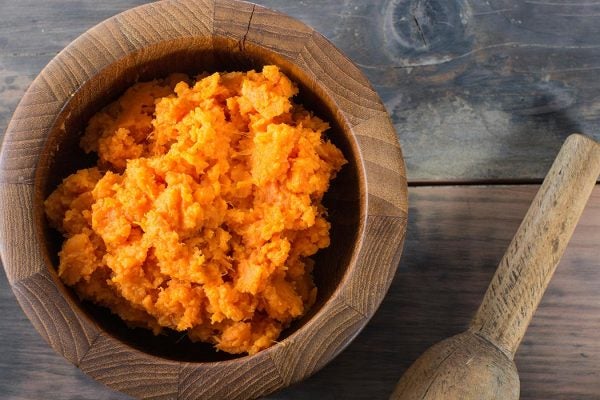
(482,370)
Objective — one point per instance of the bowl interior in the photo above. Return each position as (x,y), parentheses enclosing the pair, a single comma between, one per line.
(62,156)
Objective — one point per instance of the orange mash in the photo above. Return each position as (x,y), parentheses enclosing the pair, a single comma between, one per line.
(203,210)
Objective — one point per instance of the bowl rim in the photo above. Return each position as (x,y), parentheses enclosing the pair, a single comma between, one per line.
(383,191)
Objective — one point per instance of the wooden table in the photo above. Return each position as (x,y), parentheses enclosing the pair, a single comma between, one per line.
(482,95)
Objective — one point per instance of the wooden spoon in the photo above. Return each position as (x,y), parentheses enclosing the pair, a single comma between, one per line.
(478,363)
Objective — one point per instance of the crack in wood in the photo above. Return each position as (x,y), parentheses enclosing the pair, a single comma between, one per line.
(414,12)
(243,41)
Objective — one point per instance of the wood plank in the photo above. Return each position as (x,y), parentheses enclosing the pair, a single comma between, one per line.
(477,90)
(30,369)
(456,237)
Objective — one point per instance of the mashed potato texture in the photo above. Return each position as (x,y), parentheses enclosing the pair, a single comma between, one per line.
(204,208)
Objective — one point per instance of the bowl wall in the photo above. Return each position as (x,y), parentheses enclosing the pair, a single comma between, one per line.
(63,156)
(367,202)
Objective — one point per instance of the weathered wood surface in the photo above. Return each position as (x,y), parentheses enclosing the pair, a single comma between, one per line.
(477,89)
(455,240)
(369,196)
(478,364)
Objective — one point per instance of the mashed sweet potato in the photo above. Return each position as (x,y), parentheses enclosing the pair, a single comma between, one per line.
(203,210)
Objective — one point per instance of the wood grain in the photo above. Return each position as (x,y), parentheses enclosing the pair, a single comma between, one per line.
(40,148)
(123,368)
(30,369)
(463,367)
(495,82)
(524,75)
(123,35)
(532,256)
(478,363)
(12,247)
(55,317)
(342,321)
(455,240)
(382,153)
(196,382)
(372,273)
(352,93)
(278,32)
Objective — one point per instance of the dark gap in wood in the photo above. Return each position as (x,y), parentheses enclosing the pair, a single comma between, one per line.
(481,182)
(478,182)
(417,24)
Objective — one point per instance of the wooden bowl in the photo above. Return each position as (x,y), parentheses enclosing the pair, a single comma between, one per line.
(367,202)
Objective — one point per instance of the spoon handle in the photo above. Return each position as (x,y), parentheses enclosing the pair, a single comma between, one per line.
(531,258)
